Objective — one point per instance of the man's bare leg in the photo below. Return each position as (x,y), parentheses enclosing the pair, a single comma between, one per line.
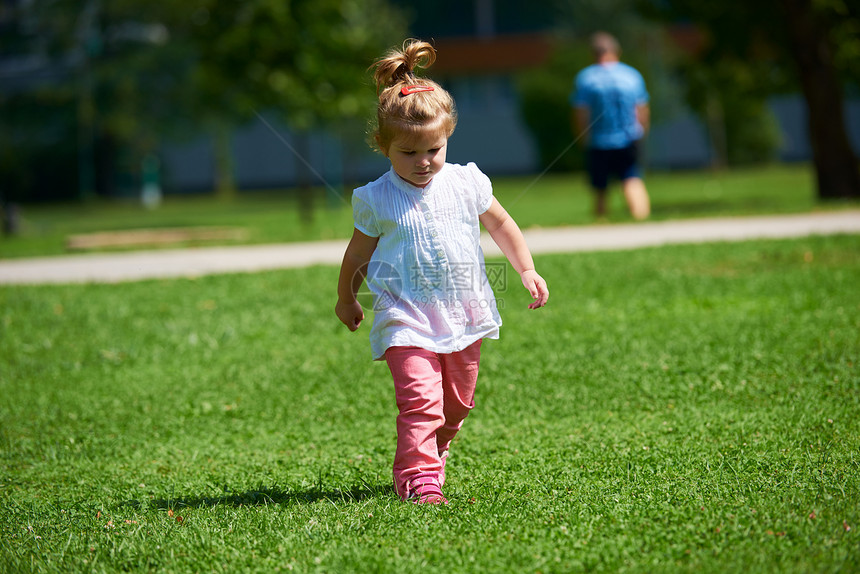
(637,198)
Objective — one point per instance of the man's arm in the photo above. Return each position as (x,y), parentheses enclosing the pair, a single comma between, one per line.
(643,116)
(581,121)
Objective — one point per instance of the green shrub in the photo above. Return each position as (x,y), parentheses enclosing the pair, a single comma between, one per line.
(544,104)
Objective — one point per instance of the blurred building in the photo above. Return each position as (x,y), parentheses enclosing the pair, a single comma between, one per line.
(482,46)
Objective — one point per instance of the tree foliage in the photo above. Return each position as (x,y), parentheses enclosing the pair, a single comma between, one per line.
(750,50)
(125,74)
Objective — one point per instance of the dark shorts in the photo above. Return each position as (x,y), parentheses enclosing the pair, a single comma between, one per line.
(622,163)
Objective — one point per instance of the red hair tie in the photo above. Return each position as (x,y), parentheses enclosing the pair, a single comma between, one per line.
(407,90)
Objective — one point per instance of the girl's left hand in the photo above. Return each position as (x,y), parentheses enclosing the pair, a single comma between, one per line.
(537,288)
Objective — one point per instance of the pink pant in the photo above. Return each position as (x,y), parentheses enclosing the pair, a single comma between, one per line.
(434,393)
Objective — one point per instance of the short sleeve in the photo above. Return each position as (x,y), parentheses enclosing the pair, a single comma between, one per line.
(642,96)
(363,215)
(483,188)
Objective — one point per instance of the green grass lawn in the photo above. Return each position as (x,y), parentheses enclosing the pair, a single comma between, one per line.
(549,200)
(681,409)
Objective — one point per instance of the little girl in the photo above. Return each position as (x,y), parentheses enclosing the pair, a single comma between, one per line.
(417,242)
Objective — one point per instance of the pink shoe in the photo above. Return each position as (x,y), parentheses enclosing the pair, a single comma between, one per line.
(425,491)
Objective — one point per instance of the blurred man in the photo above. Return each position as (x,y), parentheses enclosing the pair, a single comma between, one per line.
(610,112)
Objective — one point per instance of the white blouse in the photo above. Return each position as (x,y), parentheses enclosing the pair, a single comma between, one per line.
(427,274)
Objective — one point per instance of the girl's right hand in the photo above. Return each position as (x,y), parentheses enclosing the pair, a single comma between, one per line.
(350,314)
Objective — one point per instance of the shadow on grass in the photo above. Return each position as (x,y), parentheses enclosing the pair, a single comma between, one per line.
(264,497)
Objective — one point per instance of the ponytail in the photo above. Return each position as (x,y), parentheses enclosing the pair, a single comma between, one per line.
(399,65)
(409,103)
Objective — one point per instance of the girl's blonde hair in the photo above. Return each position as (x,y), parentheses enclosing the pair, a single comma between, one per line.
(408,103)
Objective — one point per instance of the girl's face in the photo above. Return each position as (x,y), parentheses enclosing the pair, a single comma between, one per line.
(417,157)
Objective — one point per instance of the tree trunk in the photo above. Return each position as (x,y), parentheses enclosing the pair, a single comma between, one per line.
(835,163)
(716,122)
(225,183)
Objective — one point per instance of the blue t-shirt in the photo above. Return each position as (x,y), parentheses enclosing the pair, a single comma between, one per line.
(611,92)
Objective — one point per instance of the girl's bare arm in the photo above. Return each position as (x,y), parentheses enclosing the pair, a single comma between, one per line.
(507,235)
(352,271)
